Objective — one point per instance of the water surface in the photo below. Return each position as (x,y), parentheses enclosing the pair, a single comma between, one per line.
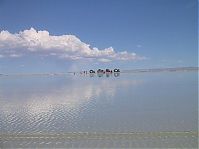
(130,102)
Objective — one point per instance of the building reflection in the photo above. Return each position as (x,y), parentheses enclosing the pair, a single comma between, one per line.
(100,74)
(116,74)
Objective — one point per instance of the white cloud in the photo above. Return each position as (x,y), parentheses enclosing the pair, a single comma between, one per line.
(63,46)
(104,60)
(15,55)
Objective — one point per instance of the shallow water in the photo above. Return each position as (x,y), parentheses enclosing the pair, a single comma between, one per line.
(78,104)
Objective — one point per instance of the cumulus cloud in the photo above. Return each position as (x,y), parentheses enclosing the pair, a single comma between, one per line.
(64,46)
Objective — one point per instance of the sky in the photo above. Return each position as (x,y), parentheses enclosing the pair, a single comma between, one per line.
(42,36)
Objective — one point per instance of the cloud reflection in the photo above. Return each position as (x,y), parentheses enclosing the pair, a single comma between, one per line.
(70,95)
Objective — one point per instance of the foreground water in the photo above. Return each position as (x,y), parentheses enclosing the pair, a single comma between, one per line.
(126,110)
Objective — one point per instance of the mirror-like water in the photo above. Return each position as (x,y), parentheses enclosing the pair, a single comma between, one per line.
(139,102)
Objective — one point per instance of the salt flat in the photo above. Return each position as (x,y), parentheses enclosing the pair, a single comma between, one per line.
(153,110)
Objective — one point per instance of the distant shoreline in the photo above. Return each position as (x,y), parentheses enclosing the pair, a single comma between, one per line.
(162,69)
(122,71)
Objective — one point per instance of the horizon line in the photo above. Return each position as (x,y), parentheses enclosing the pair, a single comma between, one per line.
(188,68)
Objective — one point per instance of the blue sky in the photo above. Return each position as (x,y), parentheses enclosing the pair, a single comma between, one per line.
(162,33)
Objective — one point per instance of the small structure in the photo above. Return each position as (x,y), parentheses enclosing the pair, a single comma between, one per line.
(100,71)
(92,71)
(108,70)
(116,70)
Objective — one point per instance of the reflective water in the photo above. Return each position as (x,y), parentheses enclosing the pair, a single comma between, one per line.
(121,103)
